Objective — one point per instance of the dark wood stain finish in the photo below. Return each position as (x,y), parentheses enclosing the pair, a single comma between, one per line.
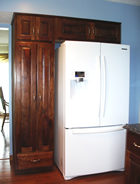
(132,163)
(34,28)
(107,32)
(33,89)
(87,30)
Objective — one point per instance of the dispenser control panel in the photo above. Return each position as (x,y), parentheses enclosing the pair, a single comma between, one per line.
(79,74)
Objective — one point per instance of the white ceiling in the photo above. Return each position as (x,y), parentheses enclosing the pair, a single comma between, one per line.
(6,17)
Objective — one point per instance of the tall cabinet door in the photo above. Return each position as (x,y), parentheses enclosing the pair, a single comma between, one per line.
(25,97)
(115,84)
(45,97)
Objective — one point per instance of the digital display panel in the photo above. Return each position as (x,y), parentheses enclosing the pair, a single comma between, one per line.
(79,74)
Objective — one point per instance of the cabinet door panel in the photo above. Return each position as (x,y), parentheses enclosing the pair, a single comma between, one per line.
(107,32)
(45,97)
(44,29)
(26,27)
(72,29)
(25,99)
(134,169)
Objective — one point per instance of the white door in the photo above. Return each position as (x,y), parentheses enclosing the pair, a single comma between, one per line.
(82,99)
(115,84)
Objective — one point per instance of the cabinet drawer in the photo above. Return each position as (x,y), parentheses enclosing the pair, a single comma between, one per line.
(133,143)
(34,160)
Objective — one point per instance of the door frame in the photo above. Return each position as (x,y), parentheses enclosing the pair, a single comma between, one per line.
(10,84)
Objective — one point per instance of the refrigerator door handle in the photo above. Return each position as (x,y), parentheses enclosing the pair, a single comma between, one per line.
(104,86)
(99,84)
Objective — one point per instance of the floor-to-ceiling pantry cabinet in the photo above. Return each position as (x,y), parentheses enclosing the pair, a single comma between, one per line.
(33,93)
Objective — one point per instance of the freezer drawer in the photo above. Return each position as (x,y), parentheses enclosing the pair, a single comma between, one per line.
(89,153)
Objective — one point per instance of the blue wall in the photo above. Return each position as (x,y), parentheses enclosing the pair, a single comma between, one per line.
(128,15)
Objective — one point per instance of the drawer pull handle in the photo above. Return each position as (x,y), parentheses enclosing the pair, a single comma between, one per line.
(136,145)
(36,160)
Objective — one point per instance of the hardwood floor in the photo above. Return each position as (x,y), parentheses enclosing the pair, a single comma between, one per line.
(7,175)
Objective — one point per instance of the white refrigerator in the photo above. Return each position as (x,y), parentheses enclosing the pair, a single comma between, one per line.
(91,107)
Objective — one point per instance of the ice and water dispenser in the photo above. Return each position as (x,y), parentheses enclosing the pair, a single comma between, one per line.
(78,85)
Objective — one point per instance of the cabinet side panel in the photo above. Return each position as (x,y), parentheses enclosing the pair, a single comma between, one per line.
(59,107)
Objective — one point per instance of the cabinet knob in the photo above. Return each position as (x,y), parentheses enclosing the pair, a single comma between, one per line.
(33,97)
(136,145)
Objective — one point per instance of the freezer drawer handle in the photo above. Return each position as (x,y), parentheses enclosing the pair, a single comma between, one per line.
(97,130)
(136,145)
(35,160)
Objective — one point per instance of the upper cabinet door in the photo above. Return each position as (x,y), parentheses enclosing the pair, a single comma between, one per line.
(108,32)
(26,27)
(71,29)
(34,28)
(44,29)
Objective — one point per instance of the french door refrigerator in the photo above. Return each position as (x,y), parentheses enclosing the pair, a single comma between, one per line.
(92,105)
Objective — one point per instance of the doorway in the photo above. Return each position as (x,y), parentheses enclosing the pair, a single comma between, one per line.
(4,84)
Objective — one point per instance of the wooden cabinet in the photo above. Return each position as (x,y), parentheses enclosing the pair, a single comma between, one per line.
(132,172)
(87,30)
(33,95)
(34,28)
